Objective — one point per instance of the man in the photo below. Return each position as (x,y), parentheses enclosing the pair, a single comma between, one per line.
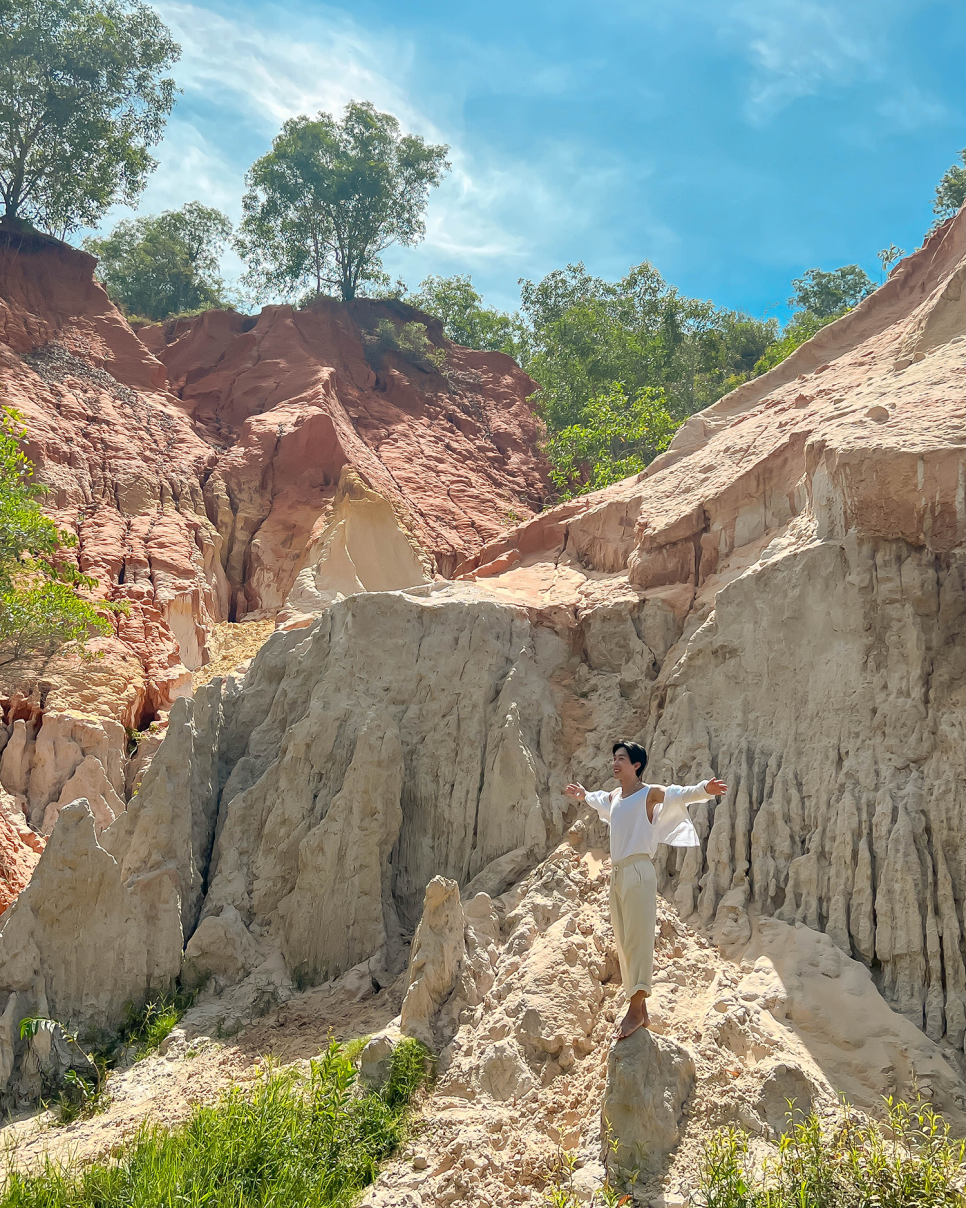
(640,816)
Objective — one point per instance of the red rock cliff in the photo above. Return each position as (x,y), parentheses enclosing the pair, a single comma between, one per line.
(205,463)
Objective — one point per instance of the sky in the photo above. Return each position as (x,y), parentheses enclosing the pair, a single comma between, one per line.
(733,143)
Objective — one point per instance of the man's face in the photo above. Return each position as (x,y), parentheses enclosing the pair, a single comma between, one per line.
(622,764)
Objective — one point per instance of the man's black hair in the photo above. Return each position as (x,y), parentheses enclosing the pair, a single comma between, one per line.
(635,753)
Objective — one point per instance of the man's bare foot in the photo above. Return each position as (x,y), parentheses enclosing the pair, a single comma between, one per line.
(635,1018)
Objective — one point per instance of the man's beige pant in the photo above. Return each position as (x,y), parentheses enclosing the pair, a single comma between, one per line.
(633,912)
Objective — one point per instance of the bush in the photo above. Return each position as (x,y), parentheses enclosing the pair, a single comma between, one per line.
(906,1160)
(289,1141)
(615,436)
(41,610)
(412,341)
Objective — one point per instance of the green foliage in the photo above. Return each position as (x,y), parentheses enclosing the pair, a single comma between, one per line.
(412,340)
(889,255)
(614,437)
(291,1140)
(822,297)
(634,356)
(40,610)
(828,295)
(909,1159)
(801,327)
(561,1193)
(82,98)
(584,334)
(330,197)
(465,319)
(80,1097)
(164,264)
(951,190)
(147,1026)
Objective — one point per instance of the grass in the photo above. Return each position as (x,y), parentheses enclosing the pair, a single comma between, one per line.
(148,1026)
(291,1141)
(908,1160)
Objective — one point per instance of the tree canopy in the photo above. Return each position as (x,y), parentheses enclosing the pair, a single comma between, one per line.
(828,295)
(40,609)
(633,352)
(466,320)
(330,197)
(164,264)
(82,98)
(951,190)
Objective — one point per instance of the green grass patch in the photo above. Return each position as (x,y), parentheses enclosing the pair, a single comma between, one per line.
(290,1141)
(907,1160)
(146,1027)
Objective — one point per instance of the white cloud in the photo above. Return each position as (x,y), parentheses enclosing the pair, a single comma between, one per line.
(240,83)
(799,47)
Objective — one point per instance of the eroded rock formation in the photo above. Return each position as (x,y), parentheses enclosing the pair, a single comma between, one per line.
(210,465)
(778,600)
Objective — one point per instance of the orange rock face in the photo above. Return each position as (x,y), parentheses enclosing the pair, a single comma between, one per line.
(199,460)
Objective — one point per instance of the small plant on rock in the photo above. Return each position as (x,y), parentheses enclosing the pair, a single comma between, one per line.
(412,341)
(80,1097)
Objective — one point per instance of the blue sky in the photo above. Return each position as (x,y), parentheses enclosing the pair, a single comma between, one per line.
(734,143)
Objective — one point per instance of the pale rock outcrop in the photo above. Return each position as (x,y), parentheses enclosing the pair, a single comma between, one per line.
(532,1068)
(203,464)
(63,742)
(106,915)
(435,962)
(222,948)
(341,905)
(306,813)
(169,827)
(806,537)
(131,938)
(364,546)
(16,759)
(88,780)
(461,687)
(649,1079)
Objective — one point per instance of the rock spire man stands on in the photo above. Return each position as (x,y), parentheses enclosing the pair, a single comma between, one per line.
(640,817)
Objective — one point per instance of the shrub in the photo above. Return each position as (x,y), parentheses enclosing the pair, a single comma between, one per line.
(906,1159)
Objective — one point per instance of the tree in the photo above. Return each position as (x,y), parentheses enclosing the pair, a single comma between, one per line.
(330,197)
(951,190)
(831,294)
(82,98)
(164,264)
(465,319)
(800,327)
(615,436)
(583,334)
(621,364)
(40,609)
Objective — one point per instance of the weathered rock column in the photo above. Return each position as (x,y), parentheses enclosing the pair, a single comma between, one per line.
(649,1079)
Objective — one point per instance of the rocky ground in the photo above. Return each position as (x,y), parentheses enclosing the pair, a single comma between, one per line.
(523,1007)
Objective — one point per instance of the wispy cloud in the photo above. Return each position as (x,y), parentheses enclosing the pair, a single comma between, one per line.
(240,84)
(909,108)
(800,47)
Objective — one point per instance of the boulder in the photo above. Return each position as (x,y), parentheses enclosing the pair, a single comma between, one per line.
(786,1097)
(649,1079)
(222,948)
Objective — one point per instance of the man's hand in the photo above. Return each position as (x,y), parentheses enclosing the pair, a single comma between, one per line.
(717,788)
(576,790)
